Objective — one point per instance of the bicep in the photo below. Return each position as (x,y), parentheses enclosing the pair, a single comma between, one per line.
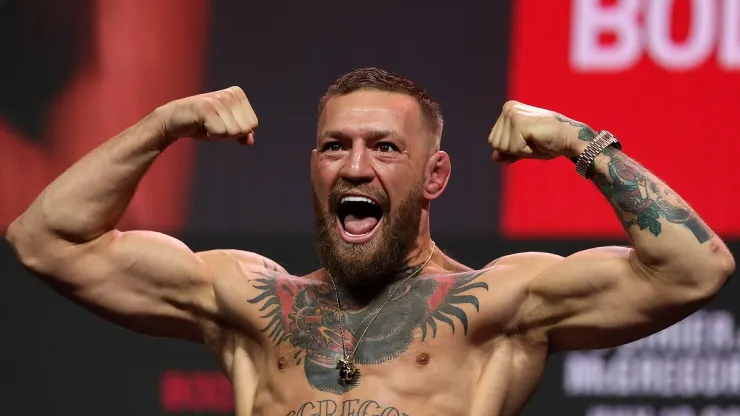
(600,298)
(145,281)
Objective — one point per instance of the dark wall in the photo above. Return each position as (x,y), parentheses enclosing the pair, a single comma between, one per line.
(308,48)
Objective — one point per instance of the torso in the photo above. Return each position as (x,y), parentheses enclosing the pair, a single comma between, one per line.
(445,344)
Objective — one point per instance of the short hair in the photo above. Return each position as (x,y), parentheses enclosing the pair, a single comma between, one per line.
(382,80)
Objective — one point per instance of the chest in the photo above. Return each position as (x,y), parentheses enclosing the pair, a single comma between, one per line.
(437,377)
(423,370)
(308,314)
(301,321)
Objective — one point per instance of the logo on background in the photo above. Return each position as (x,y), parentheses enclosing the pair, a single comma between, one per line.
(195,392)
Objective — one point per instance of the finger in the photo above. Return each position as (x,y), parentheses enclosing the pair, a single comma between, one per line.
(246,108)
(247,140)
(242,110)
(250,138)
(213,125)
(507,112)
(517,144)
(505,134)
(222,107)
(493,138)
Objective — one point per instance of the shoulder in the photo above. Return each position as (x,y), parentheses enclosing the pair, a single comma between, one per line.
(527,260)
(520,268)
(234,273)
(242,262)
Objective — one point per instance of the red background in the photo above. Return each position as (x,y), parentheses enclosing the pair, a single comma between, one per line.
(680,125)
(134,65)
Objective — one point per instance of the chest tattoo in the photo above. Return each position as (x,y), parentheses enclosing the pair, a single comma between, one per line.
(304,313)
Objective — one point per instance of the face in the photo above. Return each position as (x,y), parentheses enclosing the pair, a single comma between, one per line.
(369,173)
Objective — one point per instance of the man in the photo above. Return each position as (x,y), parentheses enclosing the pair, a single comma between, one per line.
(389,325)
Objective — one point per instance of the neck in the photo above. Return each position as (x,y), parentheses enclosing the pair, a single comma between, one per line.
(424,246)
(366,293)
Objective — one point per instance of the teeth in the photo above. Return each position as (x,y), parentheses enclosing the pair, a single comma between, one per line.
(357,199)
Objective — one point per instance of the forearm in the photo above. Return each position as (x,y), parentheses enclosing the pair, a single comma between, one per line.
(89,198)
(669,237)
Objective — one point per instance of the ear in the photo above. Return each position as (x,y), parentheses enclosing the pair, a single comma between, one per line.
(438,171)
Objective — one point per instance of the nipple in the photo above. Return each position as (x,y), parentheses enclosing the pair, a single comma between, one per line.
(422,359)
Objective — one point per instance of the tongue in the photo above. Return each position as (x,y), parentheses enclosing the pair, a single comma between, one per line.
(355,225)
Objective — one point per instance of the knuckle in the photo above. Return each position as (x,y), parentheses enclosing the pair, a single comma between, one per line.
(235,90)
(510,105)
(224,97)
(517,116)
(510,112)
(229,95)
(208,101)
(234,94)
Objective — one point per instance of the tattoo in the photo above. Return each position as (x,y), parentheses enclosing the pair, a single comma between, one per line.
(586,134)
(305,314)
(347,407)
(641,199)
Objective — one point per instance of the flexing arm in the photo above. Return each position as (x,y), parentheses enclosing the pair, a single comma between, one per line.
(608,296)
(142,280)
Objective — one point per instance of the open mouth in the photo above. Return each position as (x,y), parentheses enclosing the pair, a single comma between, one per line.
(358,215)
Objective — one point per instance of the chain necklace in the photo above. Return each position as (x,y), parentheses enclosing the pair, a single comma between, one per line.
(346,365)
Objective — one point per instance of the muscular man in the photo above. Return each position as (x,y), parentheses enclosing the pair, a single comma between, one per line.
(390,325)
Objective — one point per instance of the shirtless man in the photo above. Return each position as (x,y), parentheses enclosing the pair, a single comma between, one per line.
(390,325)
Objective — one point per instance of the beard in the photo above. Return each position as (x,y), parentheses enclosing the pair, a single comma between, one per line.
(370,266)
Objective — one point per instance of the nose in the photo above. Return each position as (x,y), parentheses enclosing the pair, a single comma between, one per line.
(358,167)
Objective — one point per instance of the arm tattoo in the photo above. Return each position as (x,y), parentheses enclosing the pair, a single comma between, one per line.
(586,133)
(304,313)
(639,198)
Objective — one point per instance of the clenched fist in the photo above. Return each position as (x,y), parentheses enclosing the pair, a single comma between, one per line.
(526,132)
(219,115)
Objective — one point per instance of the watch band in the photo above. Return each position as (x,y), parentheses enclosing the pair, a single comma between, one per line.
(602,140)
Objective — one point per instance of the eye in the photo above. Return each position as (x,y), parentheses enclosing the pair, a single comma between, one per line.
(387,147)
(332,147)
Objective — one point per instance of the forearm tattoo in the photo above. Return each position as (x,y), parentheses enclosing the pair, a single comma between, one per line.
(586,133)
(637,196)
(640,199)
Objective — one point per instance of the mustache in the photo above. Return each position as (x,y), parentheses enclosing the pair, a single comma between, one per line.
(344,187)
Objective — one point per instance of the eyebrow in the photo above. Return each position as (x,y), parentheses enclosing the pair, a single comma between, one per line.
(370,135)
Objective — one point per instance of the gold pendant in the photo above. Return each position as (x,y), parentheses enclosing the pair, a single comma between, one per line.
(346,369)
